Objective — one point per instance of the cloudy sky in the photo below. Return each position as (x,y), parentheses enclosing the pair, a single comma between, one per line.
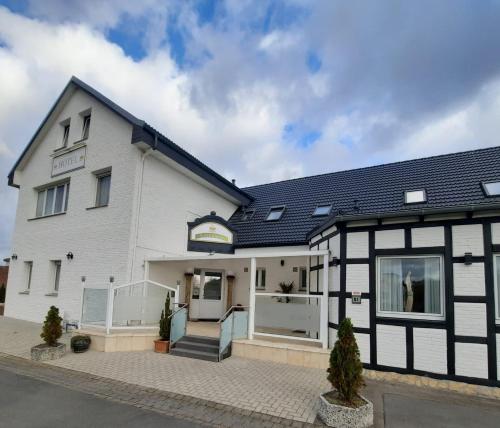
(261,90)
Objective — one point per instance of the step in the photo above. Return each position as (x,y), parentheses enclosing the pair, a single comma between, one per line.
(185,343)
(191,353)
(201,339)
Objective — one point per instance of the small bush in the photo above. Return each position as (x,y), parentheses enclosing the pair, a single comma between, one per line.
(165,320)
(345,372)
(80,339)
(52,328)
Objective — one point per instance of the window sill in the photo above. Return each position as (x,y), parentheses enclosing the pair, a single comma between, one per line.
(24,292)
(98,206)
(52,294)
(46,216)
(69,148)
(411,317)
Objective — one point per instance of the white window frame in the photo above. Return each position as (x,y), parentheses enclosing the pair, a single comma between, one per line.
(44,191)
(258,278)
(413,315)
(29,266)
(302,269)
(409,192)
(496,258)
(86,125)
(99,176)
(56,275)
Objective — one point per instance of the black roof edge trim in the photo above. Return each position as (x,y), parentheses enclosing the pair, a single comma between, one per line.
(182,157)
(272,244)
(418,212)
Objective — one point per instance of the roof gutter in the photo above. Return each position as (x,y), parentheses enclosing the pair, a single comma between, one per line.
(420,212)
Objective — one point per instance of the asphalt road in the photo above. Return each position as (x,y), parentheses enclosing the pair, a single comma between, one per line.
(27,402)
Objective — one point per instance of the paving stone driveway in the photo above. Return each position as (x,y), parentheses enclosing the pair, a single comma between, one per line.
(256,386)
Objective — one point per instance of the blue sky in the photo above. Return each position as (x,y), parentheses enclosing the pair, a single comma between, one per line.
(261,91)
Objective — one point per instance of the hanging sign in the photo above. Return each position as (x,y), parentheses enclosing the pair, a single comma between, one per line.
(211,232)
(68,162)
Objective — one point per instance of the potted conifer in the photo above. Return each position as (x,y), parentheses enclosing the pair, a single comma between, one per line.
(344,406)
(162,345)
(51,332)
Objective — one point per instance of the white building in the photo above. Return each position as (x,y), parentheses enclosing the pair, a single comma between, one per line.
(112,215)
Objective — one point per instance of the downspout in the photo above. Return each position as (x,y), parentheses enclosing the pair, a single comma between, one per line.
(139,206)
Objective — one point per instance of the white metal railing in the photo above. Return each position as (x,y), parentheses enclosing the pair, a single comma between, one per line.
(126,306)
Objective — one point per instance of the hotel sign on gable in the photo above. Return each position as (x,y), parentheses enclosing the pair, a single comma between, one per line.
(68,161)
(211,232)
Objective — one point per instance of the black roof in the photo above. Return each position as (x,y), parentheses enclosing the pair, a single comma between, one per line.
(146,133)
(451,182)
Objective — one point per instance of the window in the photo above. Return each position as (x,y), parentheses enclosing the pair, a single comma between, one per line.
(275,213)
(86,126)
(322,210)
(103,186)
(410,287)
(496,265)
(52,200)
(65,135)
(261,278)
(56,266)
(29,269)
(415,196)
(492,189)
(247,215)
(196,284)
(303,279)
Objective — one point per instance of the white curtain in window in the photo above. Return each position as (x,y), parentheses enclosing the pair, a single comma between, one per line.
(498,284)
(391,285)
(432,292)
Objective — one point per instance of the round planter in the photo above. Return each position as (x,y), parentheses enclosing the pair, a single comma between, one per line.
(45,352)
(334,415)
(80,344)
(162,346)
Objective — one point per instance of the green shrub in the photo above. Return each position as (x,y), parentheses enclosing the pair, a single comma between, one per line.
(345,372)
(2,293)
(52,328)
(165,320)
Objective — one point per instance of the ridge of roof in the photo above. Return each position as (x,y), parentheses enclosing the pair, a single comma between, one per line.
(381,165)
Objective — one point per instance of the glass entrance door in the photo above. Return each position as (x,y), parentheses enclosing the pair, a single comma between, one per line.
(211,295)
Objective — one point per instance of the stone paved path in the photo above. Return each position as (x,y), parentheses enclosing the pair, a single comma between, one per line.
(255,386)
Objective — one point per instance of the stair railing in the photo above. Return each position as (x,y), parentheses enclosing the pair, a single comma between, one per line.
(178,323)
(233,325)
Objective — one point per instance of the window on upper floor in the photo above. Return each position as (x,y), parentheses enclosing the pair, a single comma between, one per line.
(86,126)
(496,264)
(492,188)
(410,287)
(415,196)
(322,210)
(65,135)
(260,279)
(28,267)
(302,279)
(275,213)
(52,200)
(103,189)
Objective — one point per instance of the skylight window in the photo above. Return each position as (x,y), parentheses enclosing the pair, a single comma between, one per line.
(492,189)
(247,215)
(322,210)
(275,213)
(415,196)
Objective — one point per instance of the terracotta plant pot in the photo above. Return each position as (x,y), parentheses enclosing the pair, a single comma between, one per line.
(162,346)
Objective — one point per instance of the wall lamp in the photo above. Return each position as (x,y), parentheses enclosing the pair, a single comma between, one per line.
(14,256)
(69,256)
(335,261)
(468,259)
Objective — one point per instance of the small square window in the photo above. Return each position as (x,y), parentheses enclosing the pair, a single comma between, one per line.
(492,188)
(322,210)
(275,213)
(415,196)
(247,215)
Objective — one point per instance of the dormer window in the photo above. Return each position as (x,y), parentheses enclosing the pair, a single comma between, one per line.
(275,213)
(322,210)
(415,196)
(65,135)
(492,188)
(247,215)
(86,127)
